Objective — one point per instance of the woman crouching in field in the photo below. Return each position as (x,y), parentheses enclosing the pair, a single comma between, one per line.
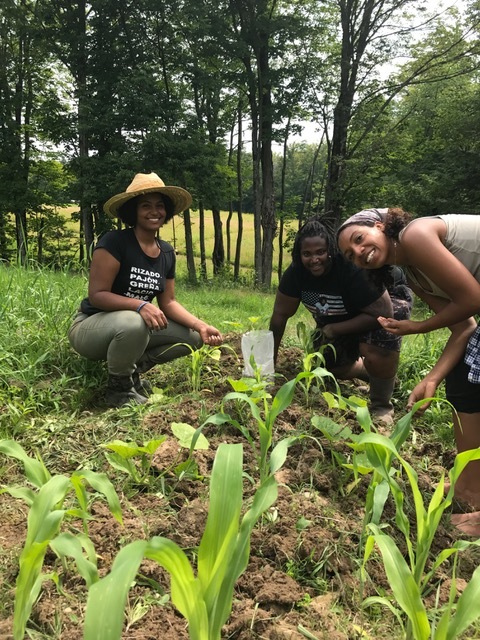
(118,321)
(345,304)
(441,259)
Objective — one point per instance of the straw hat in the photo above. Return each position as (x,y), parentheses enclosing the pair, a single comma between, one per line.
(148,183)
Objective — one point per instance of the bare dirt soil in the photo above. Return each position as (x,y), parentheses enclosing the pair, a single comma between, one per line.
(306,553)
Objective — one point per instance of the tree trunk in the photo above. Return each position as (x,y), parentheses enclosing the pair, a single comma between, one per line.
(238,248)
(281,211)
(269,222)
(203,254)
(192,273)
(83,127)
(218,255)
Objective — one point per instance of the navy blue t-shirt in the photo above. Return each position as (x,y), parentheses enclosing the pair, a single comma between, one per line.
(140,276)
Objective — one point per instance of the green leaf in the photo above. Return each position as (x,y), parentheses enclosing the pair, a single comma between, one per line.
(279,453)
(107,597)
(71,546)
(467,608)
(35,470)
(123,449)
(101,484)
(403,585)
(330,429)
(185,433)
(151,446)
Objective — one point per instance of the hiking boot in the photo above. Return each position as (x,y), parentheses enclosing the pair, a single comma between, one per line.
(143,387)
(120,391)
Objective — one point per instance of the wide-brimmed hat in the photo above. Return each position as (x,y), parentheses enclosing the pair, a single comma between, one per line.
(148,183)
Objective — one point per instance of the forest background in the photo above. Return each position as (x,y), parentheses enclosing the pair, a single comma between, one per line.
(213,96)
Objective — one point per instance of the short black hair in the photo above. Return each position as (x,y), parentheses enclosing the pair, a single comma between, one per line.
(127,212)
(312,228)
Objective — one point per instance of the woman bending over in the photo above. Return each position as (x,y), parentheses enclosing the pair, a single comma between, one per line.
(441,259)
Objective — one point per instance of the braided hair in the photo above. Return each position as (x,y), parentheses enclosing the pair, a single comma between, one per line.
(314,227)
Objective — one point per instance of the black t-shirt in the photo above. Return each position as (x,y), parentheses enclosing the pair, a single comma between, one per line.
(140,276)
(337,296)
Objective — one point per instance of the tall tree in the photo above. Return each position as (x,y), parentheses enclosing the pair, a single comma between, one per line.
(21,82)
(373,32)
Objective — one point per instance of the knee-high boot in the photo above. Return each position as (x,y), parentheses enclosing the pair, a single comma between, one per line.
(381,391)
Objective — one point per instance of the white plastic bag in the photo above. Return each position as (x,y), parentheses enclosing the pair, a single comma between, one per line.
(258,343)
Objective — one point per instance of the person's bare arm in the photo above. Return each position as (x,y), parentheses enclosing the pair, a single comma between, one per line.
(103,271)
(173,310)
(364,321)
(422,248)
(283,309)
(452,352)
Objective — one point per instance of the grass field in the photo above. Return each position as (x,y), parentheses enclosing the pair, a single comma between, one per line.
(307,576)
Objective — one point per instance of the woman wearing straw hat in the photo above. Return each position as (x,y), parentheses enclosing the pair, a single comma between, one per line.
(118,321)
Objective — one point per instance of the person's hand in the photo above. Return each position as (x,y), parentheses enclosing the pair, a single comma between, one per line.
(210,335)
(153,317)
(328,331)
(398,327)
(425,389)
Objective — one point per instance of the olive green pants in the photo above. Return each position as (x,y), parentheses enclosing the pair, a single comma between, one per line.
(123,340)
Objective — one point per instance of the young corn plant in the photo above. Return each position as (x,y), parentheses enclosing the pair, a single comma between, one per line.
(136,460)
(410,577)
(312,374)
(204,599)
(47,512)
(198,362)
(378,489)
(264,414)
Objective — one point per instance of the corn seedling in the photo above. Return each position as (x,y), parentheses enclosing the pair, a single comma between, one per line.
(46,515)
(409,577)
(136,460)
(361,465)
(264,413)
(205,600)
(309,375)
(256,388)
(198,362)
(123,456)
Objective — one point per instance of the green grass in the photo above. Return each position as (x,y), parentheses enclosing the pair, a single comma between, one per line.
(50,398)
(39,371)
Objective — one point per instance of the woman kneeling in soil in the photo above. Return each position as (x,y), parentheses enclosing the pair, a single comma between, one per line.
(345,304)
(441,258)
(118,322)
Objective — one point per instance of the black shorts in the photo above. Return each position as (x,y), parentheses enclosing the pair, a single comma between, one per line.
(464,395)
(347,348)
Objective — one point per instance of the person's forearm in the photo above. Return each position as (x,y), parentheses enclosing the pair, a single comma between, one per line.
(277,327)
(177,312)
(108,301)
(360,324)
(453,351)
(450,315)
